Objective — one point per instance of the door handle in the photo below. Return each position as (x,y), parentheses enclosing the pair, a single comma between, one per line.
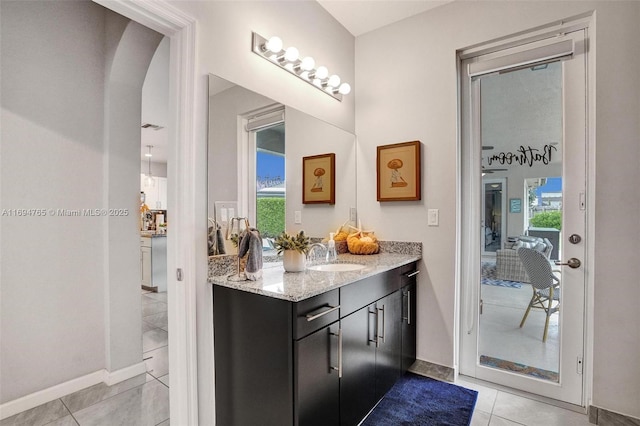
(321,312)
(339,367)
(381,336)
(376,338)
(571,263)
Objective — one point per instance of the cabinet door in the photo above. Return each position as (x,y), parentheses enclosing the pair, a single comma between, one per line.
(145,266)
(408,326)
(162,194)
(357,385)
(317,382)
(389,335)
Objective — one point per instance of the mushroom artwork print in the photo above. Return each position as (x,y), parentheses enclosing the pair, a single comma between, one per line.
(396,177)
(317,185)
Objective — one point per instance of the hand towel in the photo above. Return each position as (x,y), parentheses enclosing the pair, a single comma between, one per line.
(251,243)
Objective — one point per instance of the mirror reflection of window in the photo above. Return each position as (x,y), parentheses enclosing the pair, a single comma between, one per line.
(269,193)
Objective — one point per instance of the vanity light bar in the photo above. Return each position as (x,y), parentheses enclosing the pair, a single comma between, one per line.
(304,68)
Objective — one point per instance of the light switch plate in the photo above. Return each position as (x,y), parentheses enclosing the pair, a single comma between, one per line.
(353,214)
(433,217)
(297,217)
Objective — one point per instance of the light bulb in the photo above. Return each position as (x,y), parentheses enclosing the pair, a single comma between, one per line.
(274,44)
(291,54)
(334,81)
(307,64)
(344,89)
(322,73)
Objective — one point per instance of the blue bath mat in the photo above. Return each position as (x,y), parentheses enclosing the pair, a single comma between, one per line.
(420,401)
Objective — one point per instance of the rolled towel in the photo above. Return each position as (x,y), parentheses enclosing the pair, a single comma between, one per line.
(251,243)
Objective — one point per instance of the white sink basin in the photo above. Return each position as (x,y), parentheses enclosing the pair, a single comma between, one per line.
(337,267)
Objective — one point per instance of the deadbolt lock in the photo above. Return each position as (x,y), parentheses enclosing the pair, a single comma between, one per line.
(575,238)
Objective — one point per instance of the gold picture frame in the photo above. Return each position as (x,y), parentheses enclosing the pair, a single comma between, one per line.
(319,179)
(398,172)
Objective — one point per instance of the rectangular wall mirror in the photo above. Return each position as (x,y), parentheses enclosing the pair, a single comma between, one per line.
(255,152)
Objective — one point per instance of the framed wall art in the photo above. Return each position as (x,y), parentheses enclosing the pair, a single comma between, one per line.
(319,179)
(398,172)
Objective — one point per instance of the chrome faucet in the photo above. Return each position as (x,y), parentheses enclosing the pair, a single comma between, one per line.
(311,249)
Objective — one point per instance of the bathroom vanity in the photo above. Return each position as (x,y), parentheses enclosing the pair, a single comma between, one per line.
(315,347)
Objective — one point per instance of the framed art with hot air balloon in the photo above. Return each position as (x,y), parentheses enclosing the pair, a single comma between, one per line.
(398,170)
(319,179)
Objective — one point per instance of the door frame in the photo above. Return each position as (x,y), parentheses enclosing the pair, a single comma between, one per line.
(186,176)
(467,244)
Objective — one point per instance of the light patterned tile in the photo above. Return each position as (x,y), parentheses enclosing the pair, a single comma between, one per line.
(153,308)
(65,421)
(499,421)
(480,418)
(158,362)
(159,320)
(154,339)
(96,393)
(158,297)
(165,380)
(533,413)
(486,396)
(146,405)
(38,416)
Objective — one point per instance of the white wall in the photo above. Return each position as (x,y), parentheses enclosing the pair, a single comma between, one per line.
(413,86)
(70,140)
(308,136)
(52,306)
(223,49)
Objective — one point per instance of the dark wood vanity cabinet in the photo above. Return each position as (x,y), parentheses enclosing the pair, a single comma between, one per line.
(323,361)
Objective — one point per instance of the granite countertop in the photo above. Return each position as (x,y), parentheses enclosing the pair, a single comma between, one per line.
(297,286)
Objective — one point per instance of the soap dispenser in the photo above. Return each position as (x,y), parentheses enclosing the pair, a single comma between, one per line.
(331,249)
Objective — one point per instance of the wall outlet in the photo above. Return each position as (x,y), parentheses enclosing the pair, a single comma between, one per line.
(297,217)
(433,217)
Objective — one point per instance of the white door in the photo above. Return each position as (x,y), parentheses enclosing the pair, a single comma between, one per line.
(524,114)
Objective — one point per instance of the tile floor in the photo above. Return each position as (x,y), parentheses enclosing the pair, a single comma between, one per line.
(499,408)
(142,400)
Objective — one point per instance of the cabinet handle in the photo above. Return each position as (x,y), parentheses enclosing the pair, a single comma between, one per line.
(339,367)
(381,336)
(406,312)
(311,316)
(375,339)
(412,274)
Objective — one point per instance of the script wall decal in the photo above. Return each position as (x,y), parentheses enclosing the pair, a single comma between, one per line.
(524,156)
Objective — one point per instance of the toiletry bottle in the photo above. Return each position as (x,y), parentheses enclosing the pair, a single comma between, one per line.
(331,249)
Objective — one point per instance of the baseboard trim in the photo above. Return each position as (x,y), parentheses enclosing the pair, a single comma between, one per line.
(603,417)
(113,377)
(43,396)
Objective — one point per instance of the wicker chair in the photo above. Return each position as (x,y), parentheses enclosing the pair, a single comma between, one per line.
(545,285)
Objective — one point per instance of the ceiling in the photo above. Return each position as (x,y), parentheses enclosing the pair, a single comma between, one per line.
(357,16)
(362,16)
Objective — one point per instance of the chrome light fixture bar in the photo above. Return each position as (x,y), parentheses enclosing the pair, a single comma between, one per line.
(289,59)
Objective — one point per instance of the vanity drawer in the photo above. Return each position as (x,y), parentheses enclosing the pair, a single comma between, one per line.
(314,313)
(362,293)
(409,273)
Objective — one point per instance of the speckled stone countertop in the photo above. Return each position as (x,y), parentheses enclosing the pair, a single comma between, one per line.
(297,286)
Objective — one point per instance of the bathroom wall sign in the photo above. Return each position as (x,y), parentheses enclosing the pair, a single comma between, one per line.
(398,172)
(319,179)
(523,156)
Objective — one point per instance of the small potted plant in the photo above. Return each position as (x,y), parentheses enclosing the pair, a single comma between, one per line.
(294,249)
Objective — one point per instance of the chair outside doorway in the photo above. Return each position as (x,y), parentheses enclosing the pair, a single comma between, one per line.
(545,285)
